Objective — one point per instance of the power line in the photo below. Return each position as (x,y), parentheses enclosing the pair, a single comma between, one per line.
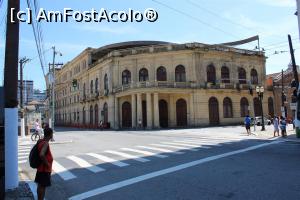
(195,18)
(219,16)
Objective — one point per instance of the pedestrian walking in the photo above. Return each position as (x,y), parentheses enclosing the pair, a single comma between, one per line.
(276,126)
(247,123)
(140,123)
(43,174)
(283,126)
(101,125)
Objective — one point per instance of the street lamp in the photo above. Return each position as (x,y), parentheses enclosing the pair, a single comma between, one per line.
(260,93)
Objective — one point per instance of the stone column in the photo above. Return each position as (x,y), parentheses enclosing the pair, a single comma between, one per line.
(191,102)
(172,111)
(149,110)
(139,108)
(133,110)
(116,113)
(156,110)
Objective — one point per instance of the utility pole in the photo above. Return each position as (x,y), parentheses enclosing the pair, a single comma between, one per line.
(52,119)
(297,117)
(11,99)
(282,96)
(22,63)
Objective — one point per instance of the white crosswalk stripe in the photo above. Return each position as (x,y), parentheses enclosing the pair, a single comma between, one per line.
(22,161)
(148,153)
(174,147)
(185,145)
(204,142)
(125,155)
(107,159)
(84,164)
(23,153)
(160,149)
(190,142)
(62,172)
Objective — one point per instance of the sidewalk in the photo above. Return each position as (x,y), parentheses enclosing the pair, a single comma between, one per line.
(22,192)
(269,133)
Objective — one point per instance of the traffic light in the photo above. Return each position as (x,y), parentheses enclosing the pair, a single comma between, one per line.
(294,96)
(74,83)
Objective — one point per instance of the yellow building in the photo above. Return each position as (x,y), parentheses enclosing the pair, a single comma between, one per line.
(158,85)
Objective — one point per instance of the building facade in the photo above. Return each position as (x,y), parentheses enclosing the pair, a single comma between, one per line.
(39,96)
(160,85)
(27,91)
(281,83)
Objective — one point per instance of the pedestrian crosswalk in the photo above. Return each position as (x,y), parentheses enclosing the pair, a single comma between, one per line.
(124,156)
(23,153)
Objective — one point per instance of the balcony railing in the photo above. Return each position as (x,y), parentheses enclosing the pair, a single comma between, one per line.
(166,84)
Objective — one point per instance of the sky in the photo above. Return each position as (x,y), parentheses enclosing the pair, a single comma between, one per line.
(179,21)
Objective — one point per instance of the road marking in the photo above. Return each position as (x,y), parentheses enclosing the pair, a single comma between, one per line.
(23,150)
(24,154)
(84,164)
(190,142)
(25,147)
(174,147)
(160,149)
(204,142)
(185,145)
(22,161)
(22,157)
(125,155)
(151,175)
(62,172)
(107,159)
(148,153)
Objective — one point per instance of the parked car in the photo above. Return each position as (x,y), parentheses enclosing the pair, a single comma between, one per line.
(258,121)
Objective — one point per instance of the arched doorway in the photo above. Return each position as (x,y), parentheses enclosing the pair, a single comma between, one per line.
(126,115)
(213,111)
(96,114)
(271,106)
(105,113)
(257,107)
(163,114)
(181,112)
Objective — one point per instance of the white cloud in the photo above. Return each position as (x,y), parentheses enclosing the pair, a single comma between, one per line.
(279,3)
(100,28)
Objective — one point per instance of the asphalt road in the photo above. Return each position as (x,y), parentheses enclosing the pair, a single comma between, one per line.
(211,163)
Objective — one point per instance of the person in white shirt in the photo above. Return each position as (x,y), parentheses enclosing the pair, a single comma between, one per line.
(37,126)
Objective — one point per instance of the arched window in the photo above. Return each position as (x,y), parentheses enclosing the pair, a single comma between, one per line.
(254,77)
(242,76)
(271,106)
(244,104)
(126,77)
(143,75)
(105,113)
(105,82)
(225,76)
(161,74)
(180,74)
(211,74)
(227,108)
(91,115)
(96,85)
(92,86)
(96,114)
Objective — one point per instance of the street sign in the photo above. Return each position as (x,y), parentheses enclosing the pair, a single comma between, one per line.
(293,106)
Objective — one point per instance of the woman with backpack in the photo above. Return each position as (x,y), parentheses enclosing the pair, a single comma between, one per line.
(43,174)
